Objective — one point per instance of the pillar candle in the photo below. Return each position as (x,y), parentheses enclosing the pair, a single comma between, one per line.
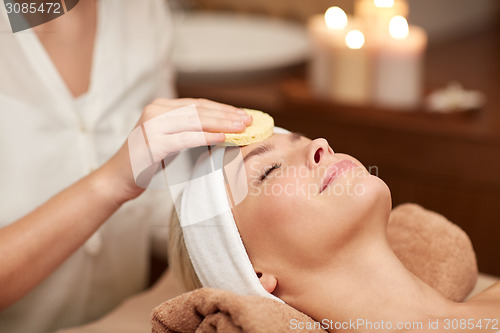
(386,9)
(352,79)
(377,14)
(327,33)
(398,66)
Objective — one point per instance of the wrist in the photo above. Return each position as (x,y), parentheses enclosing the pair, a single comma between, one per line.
(114,180)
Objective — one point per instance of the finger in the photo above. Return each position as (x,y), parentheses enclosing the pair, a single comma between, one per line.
(179,102)
(172,143)
(190,122)
(211,124)
(214,138)
(188,118)
(154,110)
(216,113)
(224,114)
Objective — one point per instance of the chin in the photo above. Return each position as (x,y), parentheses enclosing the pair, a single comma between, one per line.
(375,199)
(380,195)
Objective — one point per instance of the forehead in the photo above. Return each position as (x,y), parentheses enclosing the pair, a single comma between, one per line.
(277,140)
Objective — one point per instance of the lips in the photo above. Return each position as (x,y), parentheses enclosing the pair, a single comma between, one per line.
(334,171)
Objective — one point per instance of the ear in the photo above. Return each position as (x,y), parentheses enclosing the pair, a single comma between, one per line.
(268,281)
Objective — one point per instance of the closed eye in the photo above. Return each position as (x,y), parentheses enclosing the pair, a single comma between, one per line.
(268,171)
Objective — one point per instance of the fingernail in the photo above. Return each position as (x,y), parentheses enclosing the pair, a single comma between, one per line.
(238,124)
(243,112)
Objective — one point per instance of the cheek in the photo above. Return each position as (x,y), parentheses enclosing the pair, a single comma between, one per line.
(278,207)
(272,216)
(284,223)
(287,201)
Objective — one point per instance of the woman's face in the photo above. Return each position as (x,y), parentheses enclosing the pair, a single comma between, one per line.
(304,202)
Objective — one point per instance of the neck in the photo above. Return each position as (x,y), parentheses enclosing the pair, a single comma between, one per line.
(366,284)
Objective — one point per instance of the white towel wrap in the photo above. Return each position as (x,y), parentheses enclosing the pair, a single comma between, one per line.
(210,233)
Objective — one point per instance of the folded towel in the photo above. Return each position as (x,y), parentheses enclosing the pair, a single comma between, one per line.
(436,250)
(213,310)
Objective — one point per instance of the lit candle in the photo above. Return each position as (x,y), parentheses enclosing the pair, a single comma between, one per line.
(335,19)
(378,13)
(380,8)
(327,34)
(351,82)
(398,69)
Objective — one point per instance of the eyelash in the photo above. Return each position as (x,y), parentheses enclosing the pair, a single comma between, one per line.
(267,171)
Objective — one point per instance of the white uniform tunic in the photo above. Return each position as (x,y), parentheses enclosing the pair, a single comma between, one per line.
(49,140)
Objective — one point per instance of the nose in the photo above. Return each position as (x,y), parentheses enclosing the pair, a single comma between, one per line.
(318,150)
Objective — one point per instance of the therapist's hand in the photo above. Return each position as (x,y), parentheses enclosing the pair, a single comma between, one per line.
(167,126)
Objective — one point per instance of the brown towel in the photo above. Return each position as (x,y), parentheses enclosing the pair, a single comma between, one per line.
(434,249)
(212,310)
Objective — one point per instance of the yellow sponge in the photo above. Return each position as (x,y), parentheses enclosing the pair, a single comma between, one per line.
(262,127)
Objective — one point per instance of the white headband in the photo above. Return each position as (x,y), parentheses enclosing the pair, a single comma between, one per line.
(210,233)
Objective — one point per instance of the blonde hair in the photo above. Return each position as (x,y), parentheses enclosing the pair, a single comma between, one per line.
(178,256)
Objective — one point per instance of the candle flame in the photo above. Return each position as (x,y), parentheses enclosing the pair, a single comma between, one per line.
(398,27)
(335,18)
(355,39)
(384,3)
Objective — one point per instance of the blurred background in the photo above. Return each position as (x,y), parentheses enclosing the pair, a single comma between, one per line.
(258,54)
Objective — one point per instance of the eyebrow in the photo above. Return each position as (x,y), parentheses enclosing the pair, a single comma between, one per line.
(258,151)
(295,136)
